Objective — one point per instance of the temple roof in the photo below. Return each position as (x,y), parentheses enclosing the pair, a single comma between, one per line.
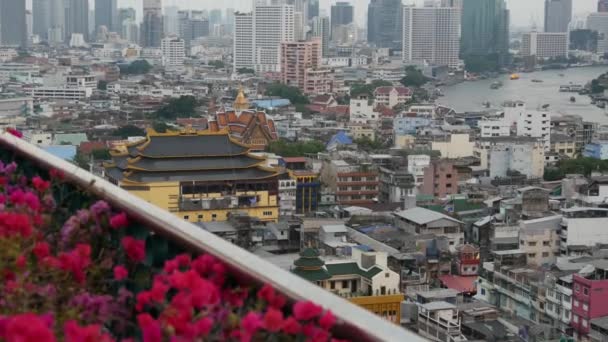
(199,176)
(195,145)
(241,103)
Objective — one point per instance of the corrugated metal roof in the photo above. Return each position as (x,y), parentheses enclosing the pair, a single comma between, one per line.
(423,216)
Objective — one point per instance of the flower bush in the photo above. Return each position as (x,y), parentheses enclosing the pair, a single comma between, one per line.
(74,269)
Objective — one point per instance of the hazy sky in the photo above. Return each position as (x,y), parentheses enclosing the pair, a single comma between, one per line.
(523,12)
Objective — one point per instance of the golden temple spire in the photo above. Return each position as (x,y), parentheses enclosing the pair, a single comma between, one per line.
(241,103)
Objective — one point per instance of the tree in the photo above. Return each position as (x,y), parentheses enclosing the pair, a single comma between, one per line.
(241,71)
(217,64)
(129,131)
(474,63)
(285,148)
(366,144)
(101,154)
(102,85)
(582,165)
(139,67)
(414,77)
(161,127)
(182,107)
(367,88)
(293,94)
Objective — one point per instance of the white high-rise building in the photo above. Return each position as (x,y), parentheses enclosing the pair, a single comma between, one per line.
(535,124)
(174,52)
(321,28)
(432,35)
(272,25)
(599,22)
(243,41)
(545,44)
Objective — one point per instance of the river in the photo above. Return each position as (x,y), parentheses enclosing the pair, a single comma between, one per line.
(470,96)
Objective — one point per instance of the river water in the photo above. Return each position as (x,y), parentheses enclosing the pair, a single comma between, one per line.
(470,96)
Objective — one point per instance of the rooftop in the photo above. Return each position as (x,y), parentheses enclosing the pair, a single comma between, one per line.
(423,216)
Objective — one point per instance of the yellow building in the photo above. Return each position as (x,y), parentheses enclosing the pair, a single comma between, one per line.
(371,285)
(197,175)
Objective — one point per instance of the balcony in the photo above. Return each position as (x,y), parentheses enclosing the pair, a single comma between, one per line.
(353,322)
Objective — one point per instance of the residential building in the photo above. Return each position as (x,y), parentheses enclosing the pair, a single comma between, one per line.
(494,128)
(321,28)
(500,155)
(408,123)
(597,149)
(545,45)
(298,61)
(13,27)
(563,145)
(64,93)
(209,176)
(454,146)
(174,52)
(599,329)
(152,26)
(558,14)
(243,41)
(582,228)
(396,186)
(535,124)
(599,22)
(485,29)
(558,305)
(365,280)
(272,25)
(392,96)
(12,105)
(106,14)
(287,196)
(540,239)
(573,126)
(440,179)
(416,164)
(431,35)
(439,321)
(424,221)
(76,19)
(342,13)
(590,293)
(467,260)
(602,5)
(353,184)
(308,191)
(362,110)
(384,23)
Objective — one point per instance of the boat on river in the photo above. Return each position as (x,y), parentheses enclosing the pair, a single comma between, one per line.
(572,99)
(514,77)
(537,81)
(496,85)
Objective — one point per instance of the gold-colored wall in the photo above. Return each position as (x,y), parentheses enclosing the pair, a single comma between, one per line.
(387,307)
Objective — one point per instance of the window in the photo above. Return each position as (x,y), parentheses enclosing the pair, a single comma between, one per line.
(531,243)
(186,217)
(332,285)
(200,217)
(566,298)
(575,303)
(586,291)
(584,321)
(483,292)
(577,287)
(522,242)
(531,255)
(344,284)
(585,307)
(546,243)
(448,176)
(567,314)
(386,275)
(545,254)
(550,306)
(575,319)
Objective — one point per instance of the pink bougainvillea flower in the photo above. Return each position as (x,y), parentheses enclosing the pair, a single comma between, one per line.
(273,320)
(91,333)
(252,322)
(27,328)
(119,221)
(14,132)
(15,224)
(150,328)
(327,320)
(291,326)
(76,261)
(40,184)
(56,174)
(41,250)
(135,249)
(120,272)
(306,310)
(21,261)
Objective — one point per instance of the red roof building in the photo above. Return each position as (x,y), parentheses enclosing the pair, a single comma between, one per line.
(392,96)
(249,127)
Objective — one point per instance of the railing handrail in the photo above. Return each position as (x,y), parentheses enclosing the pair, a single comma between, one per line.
(354,322)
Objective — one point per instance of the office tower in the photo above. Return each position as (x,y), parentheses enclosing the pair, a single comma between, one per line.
(29,23)
(485,30)
(272,25)
(215,17)
(298,26)
(313,9)
(13,25)
(126,13)
(41,17)
(174,52)
(297,58)
(384,22)
(451,3)
(130,30)
(106,14)
(321,29)
(300,8)
(545,44)
(432,35)
(599,22)
(243,41)
(76,19)
(171,21)
(602,5)
(152,26)
(558,14)
(192,25)
(229,20)
(342,13)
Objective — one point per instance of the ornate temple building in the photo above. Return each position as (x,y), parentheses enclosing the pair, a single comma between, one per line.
(245,125)
(200,176)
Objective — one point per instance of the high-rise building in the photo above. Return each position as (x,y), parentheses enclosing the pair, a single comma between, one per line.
(229,20)
(41,10)
(76,19)
(599,22)
(545,44)
(106,14)
(13,26)
(431,34)
(243,41)
(174,52)
(558,14)
(192,25)
(272,25)
(384,23)
(171,21)
(126,13)
(485,29)
(297,59)
(602,5)
(342,13)
(313,9)
(152,26)
(130,30)
(321,28)
(215,17)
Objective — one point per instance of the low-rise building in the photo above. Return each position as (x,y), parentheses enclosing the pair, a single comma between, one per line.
(416,164)
(352,184)
(392,96)
(454,146)
(563,145)
(582,228)
(589,298)
(540,239)
(424,221)
(494,128)
(499,155)
(408,123)
(440,179)
(439,321)
(597,149)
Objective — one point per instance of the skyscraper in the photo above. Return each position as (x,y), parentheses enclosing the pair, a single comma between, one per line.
(384,23)
(321,28)
(215,17)
(171,22)
(431,34)
(485,30)
(41,16)
(602,5)
(313,9)
(243,41)
(272,25)
(126,13)
(152,26)
(599,22)
(76,19)
(558,14)
(342,13)
(297,58)
(106,14)
(13,26)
